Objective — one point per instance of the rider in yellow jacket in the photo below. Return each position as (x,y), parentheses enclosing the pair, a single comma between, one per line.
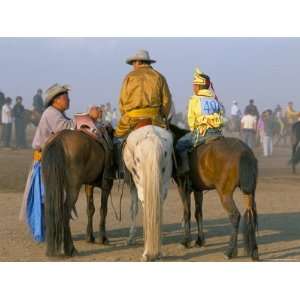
(205,118)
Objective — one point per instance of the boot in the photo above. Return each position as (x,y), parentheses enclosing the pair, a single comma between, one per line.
(183,166)
(118,160)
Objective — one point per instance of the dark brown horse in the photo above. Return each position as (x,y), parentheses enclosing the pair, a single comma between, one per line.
(295,139)
(32,117)
(71,159)
(223,165)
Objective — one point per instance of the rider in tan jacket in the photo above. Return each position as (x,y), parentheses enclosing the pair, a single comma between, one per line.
(144,95)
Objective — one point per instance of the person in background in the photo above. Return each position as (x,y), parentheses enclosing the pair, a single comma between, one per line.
(18,113)
(38,102)
(7,122)
(103,115)
(252,109)
(261,128)
(278,114)
(108,113)
(114,119)
(235,110)
(292,116)
(235,115)
(2,102)
(268,130)
(248,127)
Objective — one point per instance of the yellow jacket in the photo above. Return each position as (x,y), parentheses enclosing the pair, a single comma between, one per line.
(144,94)
(291,115)
(204,112)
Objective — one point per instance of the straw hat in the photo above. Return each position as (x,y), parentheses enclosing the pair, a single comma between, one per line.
(55,90)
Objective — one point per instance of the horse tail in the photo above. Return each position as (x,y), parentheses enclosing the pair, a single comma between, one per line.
(295,156)
(248,178)
(152,197)
(250,226)
(295,139)
(248,172)
(53,166)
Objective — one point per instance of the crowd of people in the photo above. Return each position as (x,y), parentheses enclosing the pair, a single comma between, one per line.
(261,128)
(14,118)
(12,114)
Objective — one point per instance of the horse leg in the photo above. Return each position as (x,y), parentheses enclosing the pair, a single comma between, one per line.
(250,226)
(199,218)
(134,208)
(185,197)
(89,192)
(103,213)
(72,195)
(234,218)
(294,148)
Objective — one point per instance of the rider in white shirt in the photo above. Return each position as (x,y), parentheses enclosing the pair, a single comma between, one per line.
(235,110)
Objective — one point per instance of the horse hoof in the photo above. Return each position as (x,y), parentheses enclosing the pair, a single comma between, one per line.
(71,253)
(230,254)
(131,242)
(90,240)
(150,258)
(200,243)
(104,241)
(188,244)
(255,256)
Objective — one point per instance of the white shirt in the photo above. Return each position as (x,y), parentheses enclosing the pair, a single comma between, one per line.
(52,121)
(6,114)
(248,122)
(108,116)
(235,111)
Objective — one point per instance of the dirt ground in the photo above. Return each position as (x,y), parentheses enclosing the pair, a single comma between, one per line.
(277,199)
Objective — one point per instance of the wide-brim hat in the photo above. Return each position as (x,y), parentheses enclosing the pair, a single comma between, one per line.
(54,90)
(141,55)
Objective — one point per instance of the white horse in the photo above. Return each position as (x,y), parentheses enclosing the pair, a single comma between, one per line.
(148,157)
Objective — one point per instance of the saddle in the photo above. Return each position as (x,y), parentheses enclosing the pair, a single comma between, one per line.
(143,122)
(84,123)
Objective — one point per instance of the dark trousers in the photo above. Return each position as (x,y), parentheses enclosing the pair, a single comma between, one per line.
(249,137)
(20,133)
(7,128)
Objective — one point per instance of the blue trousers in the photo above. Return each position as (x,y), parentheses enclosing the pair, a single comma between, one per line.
(191,139)
(185,143)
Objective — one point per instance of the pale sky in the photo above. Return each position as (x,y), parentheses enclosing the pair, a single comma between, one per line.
(265,69)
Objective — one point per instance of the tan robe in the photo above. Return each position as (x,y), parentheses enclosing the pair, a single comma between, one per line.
(144,94)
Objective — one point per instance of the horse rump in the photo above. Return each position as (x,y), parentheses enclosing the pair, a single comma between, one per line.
(248,172)
(295,138)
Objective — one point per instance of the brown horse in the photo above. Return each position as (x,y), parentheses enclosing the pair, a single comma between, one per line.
(32,117)
(295,139)
(72,158)
(223,165)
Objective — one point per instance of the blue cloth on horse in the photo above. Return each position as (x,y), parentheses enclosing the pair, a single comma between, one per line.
(35,205)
